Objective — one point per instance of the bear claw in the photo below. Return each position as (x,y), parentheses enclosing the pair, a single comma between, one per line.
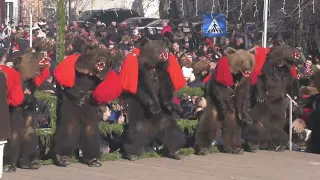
(94,163)
(133,157)
(63,160)
(32,165)
(9,168)
(245,118)
(280,149)
(177,155)
(261,100)
(155,109)
(238,151)
(203,152)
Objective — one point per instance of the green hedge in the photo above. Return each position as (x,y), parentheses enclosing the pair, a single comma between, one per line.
(108,128)
(105,128)
(191,91)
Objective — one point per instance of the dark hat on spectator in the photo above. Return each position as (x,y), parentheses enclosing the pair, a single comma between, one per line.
(310,57)
(112,37)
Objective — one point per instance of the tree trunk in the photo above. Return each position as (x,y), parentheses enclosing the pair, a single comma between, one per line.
(174,13)
(137,5)
(60,30)
(317,38)
(162,12)
(300,31)
(244,31)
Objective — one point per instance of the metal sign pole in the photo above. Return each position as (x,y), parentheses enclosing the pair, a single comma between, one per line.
(30,39)
(290,119)
(290,125)
(265,21)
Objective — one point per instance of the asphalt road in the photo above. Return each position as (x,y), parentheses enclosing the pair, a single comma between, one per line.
(250,166)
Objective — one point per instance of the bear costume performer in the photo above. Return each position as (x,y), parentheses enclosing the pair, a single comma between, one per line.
(5,117)
(277,79)
(227,95)
(87,81)
(29,72)
(149,77)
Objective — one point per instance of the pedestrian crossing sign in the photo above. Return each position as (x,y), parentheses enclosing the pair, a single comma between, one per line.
(214,25)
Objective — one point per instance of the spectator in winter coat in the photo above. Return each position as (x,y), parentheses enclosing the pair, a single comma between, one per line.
(166,28)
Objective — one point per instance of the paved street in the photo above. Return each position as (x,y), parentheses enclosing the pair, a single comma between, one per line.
(251,166)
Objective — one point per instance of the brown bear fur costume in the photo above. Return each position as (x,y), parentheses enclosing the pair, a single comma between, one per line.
(150,78)
(29,72)
(227,95)
(5,130)
(278,79)
(87,81)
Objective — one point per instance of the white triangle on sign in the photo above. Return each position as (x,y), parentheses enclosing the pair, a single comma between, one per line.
(214,28)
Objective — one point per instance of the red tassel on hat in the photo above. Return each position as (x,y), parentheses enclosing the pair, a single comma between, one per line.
(223,74)
(268,50)
(260,59)
(109,89)
(253,78)
(15,93)
(136,51)
(65,72)
(206,79)
(45,73)
(26,35)
(210,42)
(129,74)
(175,72)
(15,47)
(293,71)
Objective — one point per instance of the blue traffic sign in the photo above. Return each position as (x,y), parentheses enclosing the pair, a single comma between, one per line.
(214,25)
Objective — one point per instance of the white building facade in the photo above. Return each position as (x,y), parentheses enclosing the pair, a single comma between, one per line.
(150,7)
(12,10)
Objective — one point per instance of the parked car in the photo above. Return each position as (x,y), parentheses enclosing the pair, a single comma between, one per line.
(156,26)
(197,26)
(107,16)
(137,22)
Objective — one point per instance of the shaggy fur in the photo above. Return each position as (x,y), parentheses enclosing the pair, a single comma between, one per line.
(268,115)
(317,80)
(150,109)
(313,145)
(5,130)
(22,147)
(28,65)
(79,111)
(147,83)
(313,122)
(226,106)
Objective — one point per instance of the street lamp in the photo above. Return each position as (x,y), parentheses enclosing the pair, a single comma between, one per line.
(30,29)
